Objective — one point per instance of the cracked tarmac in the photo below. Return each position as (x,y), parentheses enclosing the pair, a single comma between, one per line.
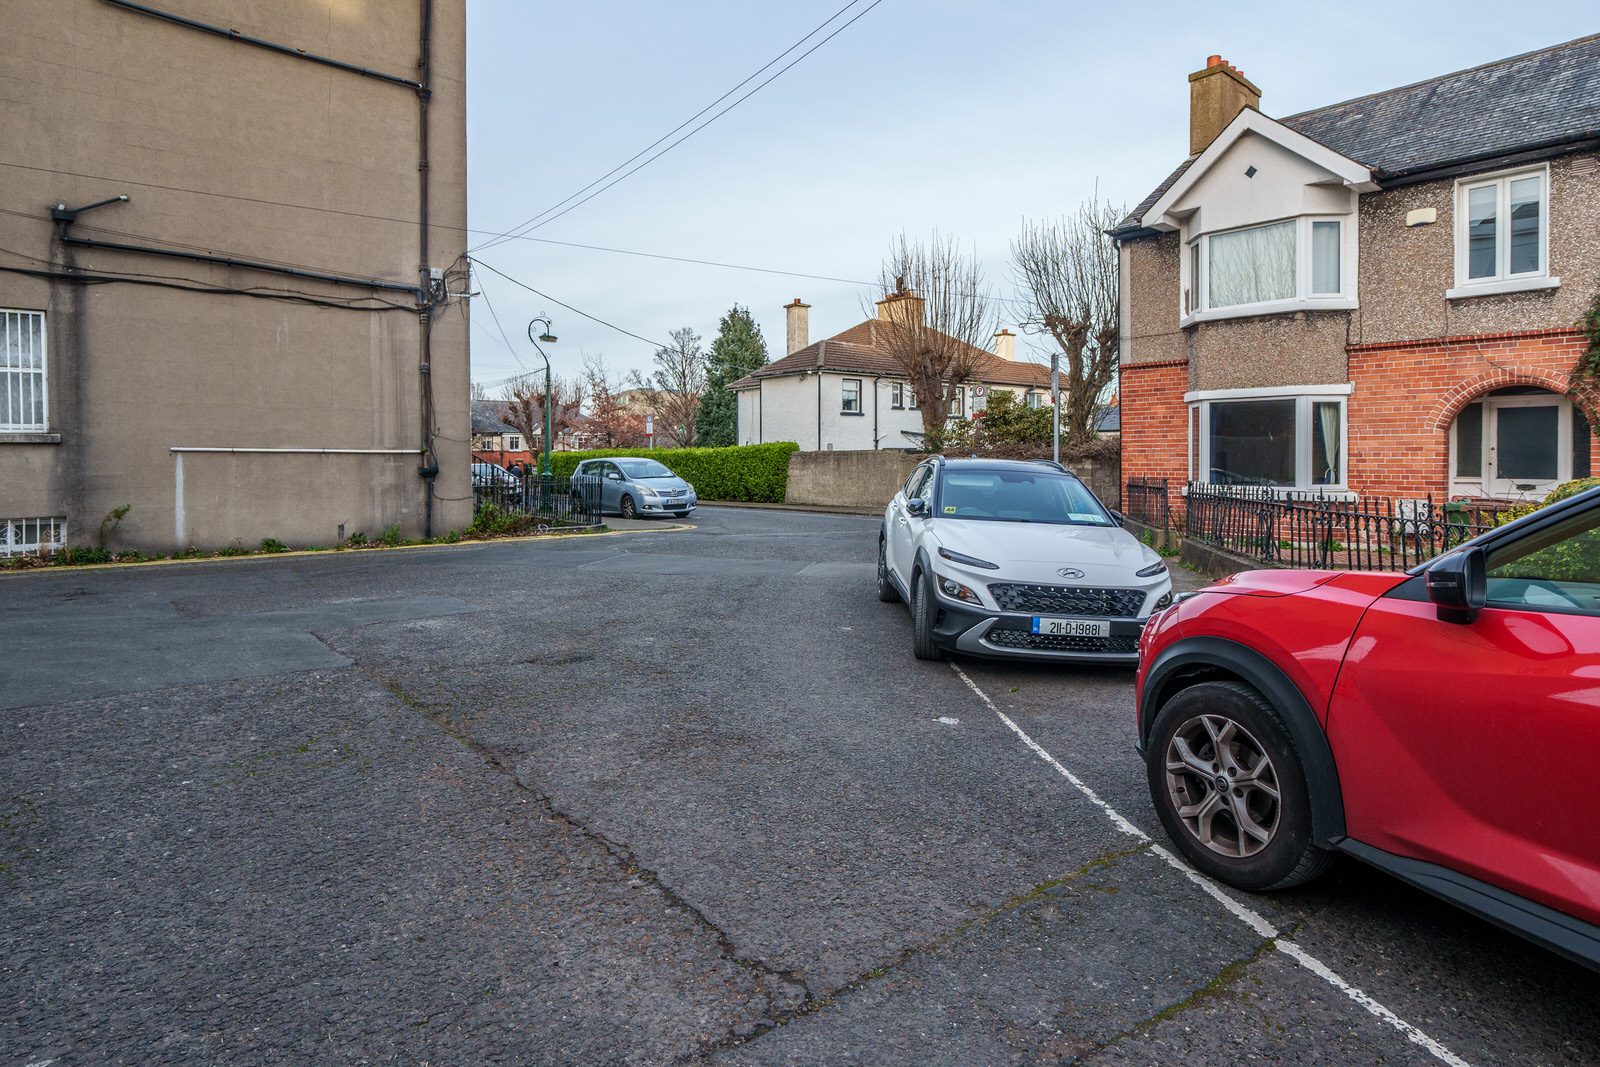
(644,799)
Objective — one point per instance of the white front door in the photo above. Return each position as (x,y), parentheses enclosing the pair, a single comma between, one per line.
(1511,447)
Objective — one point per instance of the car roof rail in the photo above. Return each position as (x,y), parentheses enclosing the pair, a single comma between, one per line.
(1053,465)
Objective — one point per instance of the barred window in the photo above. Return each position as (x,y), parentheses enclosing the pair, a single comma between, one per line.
(22,372)
(20,537)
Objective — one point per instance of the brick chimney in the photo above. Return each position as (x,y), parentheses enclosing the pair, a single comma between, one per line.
(902,305)
(1005,345)
(799,325)
(1217,93)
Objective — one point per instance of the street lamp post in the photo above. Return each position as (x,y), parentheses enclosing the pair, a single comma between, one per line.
(546,481)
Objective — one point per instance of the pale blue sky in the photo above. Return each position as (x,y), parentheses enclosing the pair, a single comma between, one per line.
(961,116)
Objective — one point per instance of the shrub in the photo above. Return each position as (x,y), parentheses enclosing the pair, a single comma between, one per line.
(77,555)
(1560,492)
(747,473)
(390,537)
(272,544)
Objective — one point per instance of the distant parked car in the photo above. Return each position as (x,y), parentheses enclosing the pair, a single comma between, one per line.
(1001,558)
(633,487)
(1441,725)
(493,483)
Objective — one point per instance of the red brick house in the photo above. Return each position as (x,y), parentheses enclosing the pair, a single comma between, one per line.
(1378,297)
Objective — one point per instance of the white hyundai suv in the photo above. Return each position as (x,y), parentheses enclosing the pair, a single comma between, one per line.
(1001,558)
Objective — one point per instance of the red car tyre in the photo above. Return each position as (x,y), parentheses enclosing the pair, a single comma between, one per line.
(1230,790)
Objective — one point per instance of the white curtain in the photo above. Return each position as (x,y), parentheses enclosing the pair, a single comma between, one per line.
(1252,266)
(1328,462)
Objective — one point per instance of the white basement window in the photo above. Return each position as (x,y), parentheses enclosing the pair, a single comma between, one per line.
(21,537)
(24,400)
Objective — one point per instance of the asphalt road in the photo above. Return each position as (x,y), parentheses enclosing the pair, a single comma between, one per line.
(646,798)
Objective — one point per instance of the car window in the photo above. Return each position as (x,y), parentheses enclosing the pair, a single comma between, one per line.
(911,480)
(919,484)
(644,468)
(1018,495)
(1555,569)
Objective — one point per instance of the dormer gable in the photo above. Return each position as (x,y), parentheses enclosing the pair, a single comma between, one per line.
(1258,169)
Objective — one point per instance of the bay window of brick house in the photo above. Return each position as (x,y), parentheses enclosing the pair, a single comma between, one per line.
(1282,441)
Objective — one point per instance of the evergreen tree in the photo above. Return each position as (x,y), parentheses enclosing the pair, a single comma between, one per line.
(737,350)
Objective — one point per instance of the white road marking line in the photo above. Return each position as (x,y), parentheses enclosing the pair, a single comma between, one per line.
(1245,914)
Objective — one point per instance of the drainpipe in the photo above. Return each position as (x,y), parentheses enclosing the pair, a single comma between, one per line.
(875,382)
(429,468)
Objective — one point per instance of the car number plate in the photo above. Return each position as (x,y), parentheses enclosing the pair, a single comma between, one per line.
(1055,627)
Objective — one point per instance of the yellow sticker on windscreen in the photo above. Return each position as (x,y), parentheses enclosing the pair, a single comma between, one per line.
(949,509)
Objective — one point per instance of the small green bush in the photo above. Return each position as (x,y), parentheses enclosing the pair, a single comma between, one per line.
(744,473)
(1560,492)
(77,555)
(272,544)
(391,537)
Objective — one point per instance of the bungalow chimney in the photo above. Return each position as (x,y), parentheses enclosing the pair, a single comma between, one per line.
(799,325)
(901,306)
(1217,93)
(1005,345)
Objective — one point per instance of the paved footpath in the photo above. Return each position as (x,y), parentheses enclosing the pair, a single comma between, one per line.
(655,797)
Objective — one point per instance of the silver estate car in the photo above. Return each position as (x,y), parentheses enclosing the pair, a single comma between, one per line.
(631,487)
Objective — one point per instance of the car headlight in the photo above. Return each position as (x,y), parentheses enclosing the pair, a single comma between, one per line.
(1164,602)
(968,561)
(645,490)
(1158,567)
(956,591)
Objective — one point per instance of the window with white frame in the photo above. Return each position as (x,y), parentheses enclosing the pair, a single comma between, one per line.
(850,396)
(1272,267)
(1035,398)
(20,537)
(1502,228)
(902,396)
(513,443)
(958,402)
(24,405)
(1281,441)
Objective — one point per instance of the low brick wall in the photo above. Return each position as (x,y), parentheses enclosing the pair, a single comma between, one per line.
(869,479)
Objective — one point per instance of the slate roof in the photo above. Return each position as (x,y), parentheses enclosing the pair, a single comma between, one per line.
(1550,97)
(486,418)
(855,351)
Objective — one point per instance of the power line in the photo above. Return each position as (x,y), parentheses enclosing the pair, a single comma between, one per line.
(569,307)
(532,224)
(509,233)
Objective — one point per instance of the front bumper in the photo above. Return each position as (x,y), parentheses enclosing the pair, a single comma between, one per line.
(658,506)
(978,631)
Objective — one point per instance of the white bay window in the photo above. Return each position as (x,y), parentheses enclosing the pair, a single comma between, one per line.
(1304,262)
(1280,439)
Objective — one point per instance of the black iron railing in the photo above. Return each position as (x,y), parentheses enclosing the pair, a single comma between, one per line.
(1145,500)
(561,502)
(1337,533)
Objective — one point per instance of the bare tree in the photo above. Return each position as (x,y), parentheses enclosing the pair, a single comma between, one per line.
(1066,274)
(611,423)
(524,407)
(480,391)
(934,320)
(677,385)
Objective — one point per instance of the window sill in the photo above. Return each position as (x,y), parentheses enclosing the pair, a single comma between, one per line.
(30,439)
(1274,307)
(1507,285)
(856,414)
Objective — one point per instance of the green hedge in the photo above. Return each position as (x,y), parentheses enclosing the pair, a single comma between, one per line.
(752,473)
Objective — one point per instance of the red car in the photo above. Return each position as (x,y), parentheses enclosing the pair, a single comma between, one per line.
(1443,725)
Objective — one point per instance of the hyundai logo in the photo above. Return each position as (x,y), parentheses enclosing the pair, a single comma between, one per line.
(1070,572)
